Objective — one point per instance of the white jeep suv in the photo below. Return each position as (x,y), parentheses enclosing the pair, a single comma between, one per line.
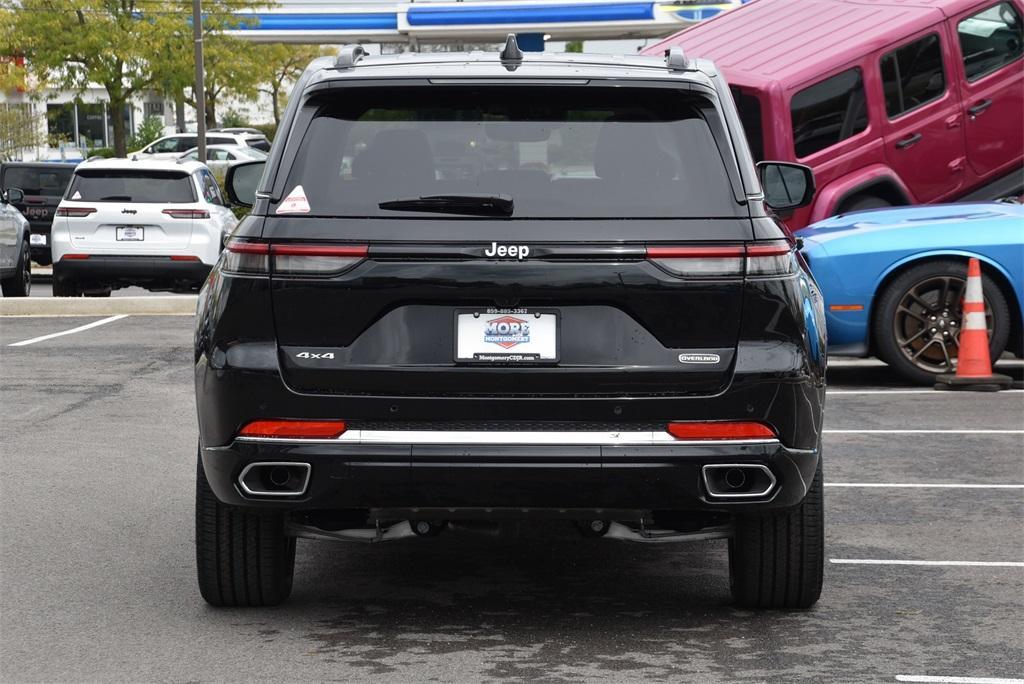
(156,224)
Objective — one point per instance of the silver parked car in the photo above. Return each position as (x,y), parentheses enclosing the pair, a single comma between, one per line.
(15,256)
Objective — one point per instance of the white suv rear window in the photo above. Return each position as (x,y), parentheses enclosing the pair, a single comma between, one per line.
(131,186)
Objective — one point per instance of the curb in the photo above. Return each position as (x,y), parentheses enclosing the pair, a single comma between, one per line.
(98,306)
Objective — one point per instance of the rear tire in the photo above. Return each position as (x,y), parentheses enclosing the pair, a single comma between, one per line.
(19,284)
(243,557)
(777,561)
(884,327)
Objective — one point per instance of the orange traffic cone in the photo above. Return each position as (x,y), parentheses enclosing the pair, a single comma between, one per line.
(974,367)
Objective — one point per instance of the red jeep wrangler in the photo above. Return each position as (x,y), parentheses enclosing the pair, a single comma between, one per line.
(889,101)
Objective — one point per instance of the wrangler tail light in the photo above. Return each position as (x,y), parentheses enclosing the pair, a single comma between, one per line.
(721,430)
(75,212)
(292,259)
(294,429)
(187,213)
(716,261)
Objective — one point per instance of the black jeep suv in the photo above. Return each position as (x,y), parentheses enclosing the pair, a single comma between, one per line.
(488,287)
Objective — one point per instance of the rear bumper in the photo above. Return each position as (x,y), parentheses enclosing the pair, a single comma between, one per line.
(134,269)
(555,477)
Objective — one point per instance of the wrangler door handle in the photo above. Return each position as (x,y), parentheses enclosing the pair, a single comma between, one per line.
(909,140)
(979,107)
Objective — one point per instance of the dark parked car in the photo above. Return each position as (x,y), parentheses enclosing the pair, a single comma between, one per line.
(15,264)
(43,185)
(591,317)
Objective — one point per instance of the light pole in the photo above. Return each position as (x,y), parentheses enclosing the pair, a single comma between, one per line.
(200,86)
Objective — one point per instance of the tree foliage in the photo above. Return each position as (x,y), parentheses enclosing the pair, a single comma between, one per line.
(125,46)
(281,66)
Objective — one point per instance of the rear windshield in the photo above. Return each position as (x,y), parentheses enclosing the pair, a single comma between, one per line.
(131,186)
(555,152)
(258,143)
(37,181)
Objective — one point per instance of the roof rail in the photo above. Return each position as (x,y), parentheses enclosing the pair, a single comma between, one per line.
(348,56)
(675,59)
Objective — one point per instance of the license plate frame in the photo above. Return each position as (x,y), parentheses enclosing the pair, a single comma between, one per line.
(127,233)
(547,325)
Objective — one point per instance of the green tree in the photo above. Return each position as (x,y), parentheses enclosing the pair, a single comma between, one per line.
(151,128)
(574,46)
(121,45)
(282,65)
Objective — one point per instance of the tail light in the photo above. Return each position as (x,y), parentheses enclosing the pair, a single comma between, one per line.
(247,257)
(294,429)
(721,430)
(699,262)
(292,259)
(316,259)
(187,213)
(757,260)
(75,212)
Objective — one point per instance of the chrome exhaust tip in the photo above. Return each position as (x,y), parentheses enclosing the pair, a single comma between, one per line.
(275,478)
(737,481)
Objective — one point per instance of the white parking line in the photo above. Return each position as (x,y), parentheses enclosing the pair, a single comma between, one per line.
(937,679)
(969,564)
(923,485)
(923,432)
(80,328)
(934,393)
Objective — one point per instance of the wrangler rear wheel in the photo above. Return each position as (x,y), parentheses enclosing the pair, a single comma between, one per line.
(243,557)
(777,561)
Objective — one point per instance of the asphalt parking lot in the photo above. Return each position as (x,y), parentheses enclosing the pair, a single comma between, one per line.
(97,565)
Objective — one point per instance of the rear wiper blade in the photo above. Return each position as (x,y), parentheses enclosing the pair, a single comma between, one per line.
(472,205)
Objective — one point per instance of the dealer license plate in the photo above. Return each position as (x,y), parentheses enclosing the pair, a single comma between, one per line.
(506,336)
(37,239)
(131,233)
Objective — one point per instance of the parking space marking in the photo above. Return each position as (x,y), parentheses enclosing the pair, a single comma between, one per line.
(968,564)
(938,679)
(923,432)
(80,328)
(934,393)
(923,485)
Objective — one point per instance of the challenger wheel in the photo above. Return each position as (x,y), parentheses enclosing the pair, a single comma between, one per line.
(19,284)
(243,558)
(918,317)
(777,561)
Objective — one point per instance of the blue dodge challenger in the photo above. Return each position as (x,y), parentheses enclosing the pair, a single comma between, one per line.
(893,281)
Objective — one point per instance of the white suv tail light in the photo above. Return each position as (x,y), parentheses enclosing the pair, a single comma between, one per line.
(75,212)
(187,213)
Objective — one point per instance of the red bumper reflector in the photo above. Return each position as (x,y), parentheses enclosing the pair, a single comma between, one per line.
(721,430)
(74,256)
(294,429)
(183,257)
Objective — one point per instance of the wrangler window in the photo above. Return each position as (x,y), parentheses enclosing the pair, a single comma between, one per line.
(912,75)
(990,40)
(828,112)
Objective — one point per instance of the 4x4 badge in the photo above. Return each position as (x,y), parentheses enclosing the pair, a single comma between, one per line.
(700,358)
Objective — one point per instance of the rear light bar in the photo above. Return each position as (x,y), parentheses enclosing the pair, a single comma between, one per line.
(75,212)
(721,430)
(292,259)
(703,261)
(294,429)
(187,213)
